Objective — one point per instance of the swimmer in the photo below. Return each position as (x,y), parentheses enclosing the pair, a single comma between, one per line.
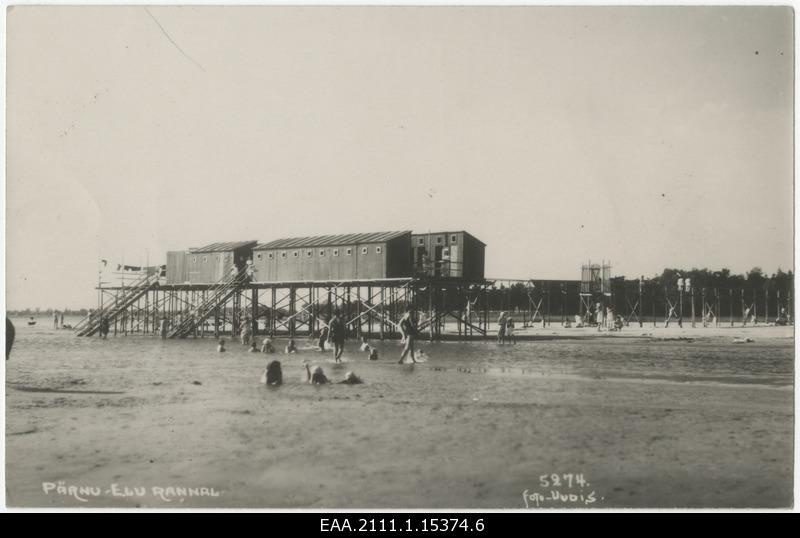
(221,346)
(350,379)
(266,346)
(317,377)
(274,374)
(373,354)
(253,348)
(290,347)
(365,344)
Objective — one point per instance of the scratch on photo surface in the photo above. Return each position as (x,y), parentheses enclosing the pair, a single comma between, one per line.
(163,31)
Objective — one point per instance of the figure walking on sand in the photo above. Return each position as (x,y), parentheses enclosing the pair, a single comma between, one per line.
(409,332)
(336,334)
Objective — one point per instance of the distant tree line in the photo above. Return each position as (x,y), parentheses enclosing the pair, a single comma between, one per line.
(721,290)
(48,312)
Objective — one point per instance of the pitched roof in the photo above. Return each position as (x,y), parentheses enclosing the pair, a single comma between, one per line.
(224,247)
(450,232)
(331,240)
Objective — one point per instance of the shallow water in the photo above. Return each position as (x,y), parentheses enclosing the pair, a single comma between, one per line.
(44,355)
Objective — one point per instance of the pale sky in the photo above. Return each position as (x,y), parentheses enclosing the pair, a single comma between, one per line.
(651,137)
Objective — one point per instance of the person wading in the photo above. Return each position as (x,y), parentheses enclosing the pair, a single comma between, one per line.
(409,332)
(336,334)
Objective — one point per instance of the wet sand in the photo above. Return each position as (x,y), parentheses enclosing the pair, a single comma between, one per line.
(647,422)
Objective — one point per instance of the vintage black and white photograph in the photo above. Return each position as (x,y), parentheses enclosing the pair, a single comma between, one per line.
(387,257)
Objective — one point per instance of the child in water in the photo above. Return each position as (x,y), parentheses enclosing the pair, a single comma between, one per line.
(253,348)
(221,346)
(373,354)
(317,377)
(266,346)
(273,375)
(364,344)
(350,379)
(323,336)
(291,347)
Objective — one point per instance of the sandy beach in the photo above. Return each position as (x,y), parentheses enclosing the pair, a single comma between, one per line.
(647,417)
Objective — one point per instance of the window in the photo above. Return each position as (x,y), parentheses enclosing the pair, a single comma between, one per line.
(364,250)
(296,254)
(421,241)
(269,255)
(258,256)
(194,259)
(205,259)
(321,252)
(309,253)
(283,255)
(336,252)
(349,251)
(439,240)
(378,250)
(453,238)
(217,257)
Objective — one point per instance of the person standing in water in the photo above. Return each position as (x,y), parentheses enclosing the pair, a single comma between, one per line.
(336,334)
(409,332)
(164,327)
(510,330)
(501,328)
(323,335)
(55,319)
(104,328)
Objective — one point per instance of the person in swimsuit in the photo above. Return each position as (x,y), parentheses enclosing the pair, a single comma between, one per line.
(266,346)
(510,330)
(274,374)
(409,332)
(317,377)
(336,335)
(501,328)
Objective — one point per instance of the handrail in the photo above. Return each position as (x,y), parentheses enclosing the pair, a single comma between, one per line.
(90,323)
(220,291)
